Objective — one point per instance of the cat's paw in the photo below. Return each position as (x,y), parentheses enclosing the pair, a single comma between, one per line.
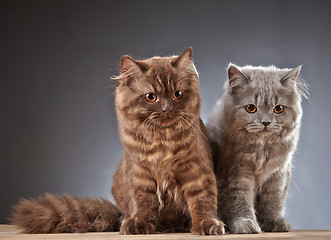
(208,227)
(136,226)
(276,225)
(244,225)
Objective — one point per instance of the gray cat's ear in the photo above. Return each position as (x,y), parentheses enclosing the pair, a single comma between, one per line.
(291,76)
(236,77)
(184,60)
(131,68)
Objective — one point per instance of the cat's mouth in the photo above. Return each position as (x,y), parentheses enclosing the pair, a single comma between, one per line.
(262,129)
(168,120)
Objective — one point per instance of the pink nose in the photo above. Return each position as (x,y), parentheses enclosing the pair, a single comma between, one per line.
(166,107)
(167,110)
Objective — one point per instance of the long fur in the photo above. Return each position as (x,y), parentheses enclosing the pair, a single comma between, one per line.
(253,153)
(65,214)
(165,180)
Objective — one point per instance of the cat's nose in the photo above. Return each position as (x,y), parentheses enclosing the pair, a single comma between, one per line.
(266,120)
(167,108)
(265,123)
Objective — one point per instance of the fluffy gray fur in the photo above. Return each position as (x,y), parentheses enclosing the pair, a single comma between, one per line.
(253,151)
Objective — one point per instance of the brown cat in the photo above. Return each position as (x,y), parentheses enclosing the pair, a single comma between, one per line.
(165,180)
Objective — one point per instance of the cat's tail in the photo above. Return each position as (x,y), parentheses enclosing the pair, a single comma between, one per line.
(63,213)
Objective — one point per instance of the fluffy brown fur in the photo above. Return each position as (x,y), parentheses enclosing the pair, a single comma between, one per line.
(60,214)
(165,180)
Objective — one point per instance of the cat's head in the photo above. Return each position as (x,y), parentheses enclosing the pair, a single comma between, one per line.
(263,100)
(159,91)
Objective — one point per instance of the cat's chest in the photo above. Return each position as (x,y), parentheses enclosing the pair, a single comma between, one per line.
(163,168)
(269,157)
(167,146)
(168,190)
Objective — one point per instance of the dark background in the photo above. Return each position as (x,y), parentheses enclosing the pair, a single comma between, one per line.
(58,124)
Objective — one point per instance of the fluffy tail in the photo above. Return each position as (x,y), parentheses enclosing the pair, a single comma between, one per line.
(60,214)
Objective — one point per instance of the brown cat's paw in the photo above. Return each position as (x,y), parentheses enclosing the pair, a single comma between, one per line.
(244,225)
(276,225)
(136,226)
(208,227)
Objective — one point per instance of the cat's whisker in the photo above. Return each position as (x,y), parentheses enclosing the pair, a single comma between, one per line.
(296,185)
(144,123)
(206,121)
(196,128)
(188,124)
(237,131)
(148,123)
(141,125)
(185,123)
(194,125)
(189,114)
(217,127)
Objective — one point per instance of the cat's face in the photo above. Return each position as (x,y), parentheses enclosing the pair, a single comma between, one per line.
(265,100)
(160,91)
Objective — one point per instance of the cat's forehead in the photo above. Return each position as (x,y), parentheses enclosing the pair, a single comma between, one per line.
(264,75)
(160,63)
(265,88)
(164,77)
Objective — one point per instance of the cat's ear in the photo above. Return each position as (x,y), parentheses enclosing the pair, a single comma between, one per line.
(131,68)
(184,60)
(236,77)
(291,76)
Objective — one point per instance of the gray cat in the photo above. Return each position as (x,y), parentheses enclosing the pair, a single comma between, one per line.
(254,130)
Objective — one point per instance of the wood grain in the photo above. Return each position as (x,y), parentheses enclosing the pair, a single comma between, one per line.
(12,233)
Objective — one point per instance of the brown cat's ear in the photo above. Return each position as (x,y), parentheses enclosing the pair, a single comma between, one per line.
(184,60)
(291,76)
(236,77)
(131,68)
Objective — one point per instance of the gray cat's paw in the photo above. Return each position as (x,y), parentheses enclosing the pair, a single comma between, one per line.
(276,225)
(244,225)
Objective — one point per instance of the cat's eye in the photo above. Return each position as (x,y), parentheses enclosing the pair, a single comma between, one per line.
(250,108)
(150,97)
(178,95)
(279,109)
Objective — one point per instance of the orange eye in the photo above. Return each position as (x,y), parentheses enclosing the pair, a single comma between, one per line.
(250,108)
(150,97)
(279,109)
(178,95)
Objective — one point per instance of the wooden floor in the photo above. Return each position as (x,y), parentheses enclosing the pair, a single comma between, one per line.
(11,233)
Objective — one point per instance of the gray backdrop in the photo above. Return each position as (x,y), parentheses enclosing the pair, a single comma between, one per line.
(58,124)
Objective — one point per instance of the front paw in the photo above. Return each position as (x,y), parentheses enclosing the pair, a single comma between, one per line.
(208,227)
(244,225)
(276,225)
(136,226)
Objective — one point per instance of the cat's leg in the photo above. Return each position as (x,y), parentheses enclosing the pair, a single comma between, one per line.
(201,197)
(270,203)
(236,201)
(144,206)
(143,221)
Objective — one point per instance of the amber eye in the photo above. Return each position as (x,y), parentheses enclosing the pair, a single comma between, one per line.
(279,109)
(250,108)
(150,97)
(178,95)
